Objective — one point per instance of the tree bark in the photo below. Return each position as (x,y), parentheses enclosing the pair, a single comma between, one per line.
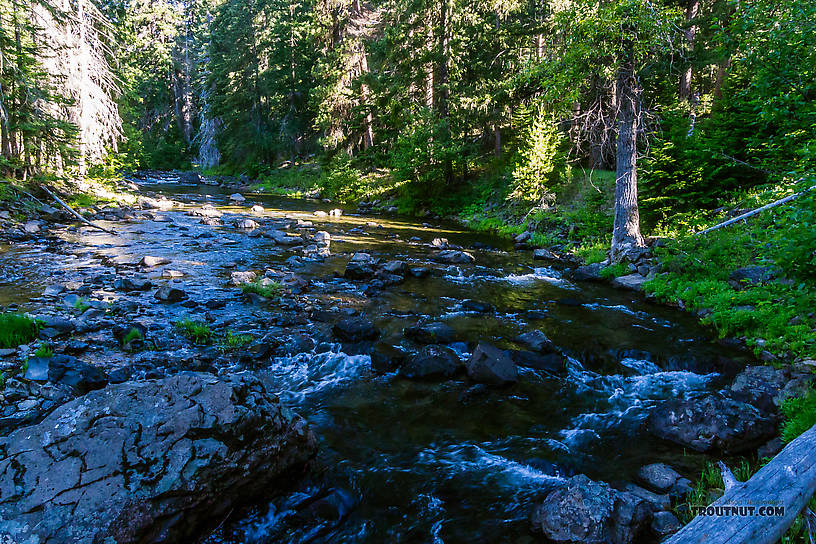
(684,90)
(626,232)
(443,91)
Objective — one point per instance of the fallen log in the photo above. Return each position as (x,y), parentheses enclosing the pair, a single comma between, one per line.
(777,493)
(761,209)
(74,212)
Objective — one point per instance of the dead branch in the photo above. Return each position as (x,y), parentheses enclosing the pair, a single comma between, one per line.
(74,212)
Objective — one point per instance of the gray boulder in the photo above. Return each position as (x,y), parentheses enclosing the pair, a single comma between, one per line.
(536,341)
(431,362)
(590,272)
(170,294)
(711,423)
(751,275)
(588,512)
(488,364)
(453,256)
(154,461)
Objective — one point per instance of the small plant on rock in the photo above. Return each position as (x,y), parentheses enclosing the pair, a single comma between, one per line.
(197,332)
(44,350)
(233,341)
(264,287)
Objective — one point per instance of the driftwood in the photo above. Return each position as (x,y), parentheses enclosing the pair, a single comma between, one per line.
(728,478)
(778,493)
(74,212)
(754,212)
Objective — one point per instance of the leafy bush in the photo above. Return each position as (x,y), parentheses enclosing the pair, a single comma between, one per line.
(44,350)
(614,271)
(16,329)
(197,332)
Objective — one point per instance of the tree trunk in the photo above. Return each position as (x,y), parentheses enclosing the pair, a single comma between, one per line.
(626,232)
(443,91)
(692,9)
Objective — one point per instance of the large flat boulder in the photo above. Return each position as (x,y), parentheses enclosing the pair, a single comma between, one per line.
(153,461)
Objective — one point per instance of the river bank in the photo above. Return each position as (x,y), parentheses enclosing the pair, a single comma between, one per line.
(378,331)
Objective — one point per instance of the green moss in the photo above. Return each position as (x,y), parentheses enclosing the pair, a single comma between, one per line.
(196,331)
(267,289)
(16,329)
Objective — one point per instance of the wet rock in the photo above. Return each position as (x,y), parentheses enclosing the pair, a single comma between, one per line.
(661,478)
(242,277)
(488,364)
(441,243)
(78,375)
(333,506)
(170,294)
(766,387)
(31,227)
(211,221)
(751,275)
(590,272)
(356,270)
(588,512)
(53,290)
(171,274)
(665,524)
(129,332)
(237,198)
(160,461)
(431,362)
(320,213)
(190,178)
(544,255)
(322,237)
(257,208)
(54,326)
(770,448)
(478,307)
(284,238)
(536,341)
(633,282)
(386,358)
(398,268)
(337,212)
(656,501)
(37,369)
(120,375)
(453,256)
(362,257)
(430,333)
(711,423)
(246,224)
(355,329)
(420,271)
(474,392)
(132,284)
(551,362)
(149,261)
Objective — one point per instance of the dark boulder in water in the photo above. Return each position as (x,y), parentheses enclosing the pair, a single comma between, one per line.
(430,333)
(355,329)
(431,362)
(488,364)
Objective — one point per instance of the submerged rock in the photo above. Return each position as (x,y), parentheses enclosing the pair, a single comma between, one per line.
(158,461)
(355,329)
(430,333)
(590,272)
(132,284)
(536,341)
(711,423)
(551,362)
(488,364)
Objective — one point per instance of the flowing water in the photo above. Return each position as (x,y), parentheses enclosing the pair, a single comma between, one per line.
(423,461)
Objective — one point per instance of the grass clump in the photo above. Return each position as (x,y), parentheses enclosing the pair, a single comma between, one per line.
(16,329)
(263,287)
(232,341)
(711,481)
(81,305)
(196,331)
(44,350)
(132,335)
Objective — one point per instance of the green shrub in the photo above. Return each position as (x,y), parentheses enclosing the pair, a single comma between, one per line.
(614,271)
(539,163)
(196,331)
(16,329)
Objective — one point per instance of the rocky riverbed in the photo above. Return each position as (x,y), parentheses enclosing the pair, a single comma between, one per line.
(459,389)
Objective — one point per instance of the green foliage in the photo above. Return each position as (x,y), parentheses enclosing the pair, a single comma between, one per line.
(795,241)
(711,481)
(16,329)
(133,334)
(799,415)
(263,287)
(81,305)
(44,350)
(197,332)
(614,271)
(232,341)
